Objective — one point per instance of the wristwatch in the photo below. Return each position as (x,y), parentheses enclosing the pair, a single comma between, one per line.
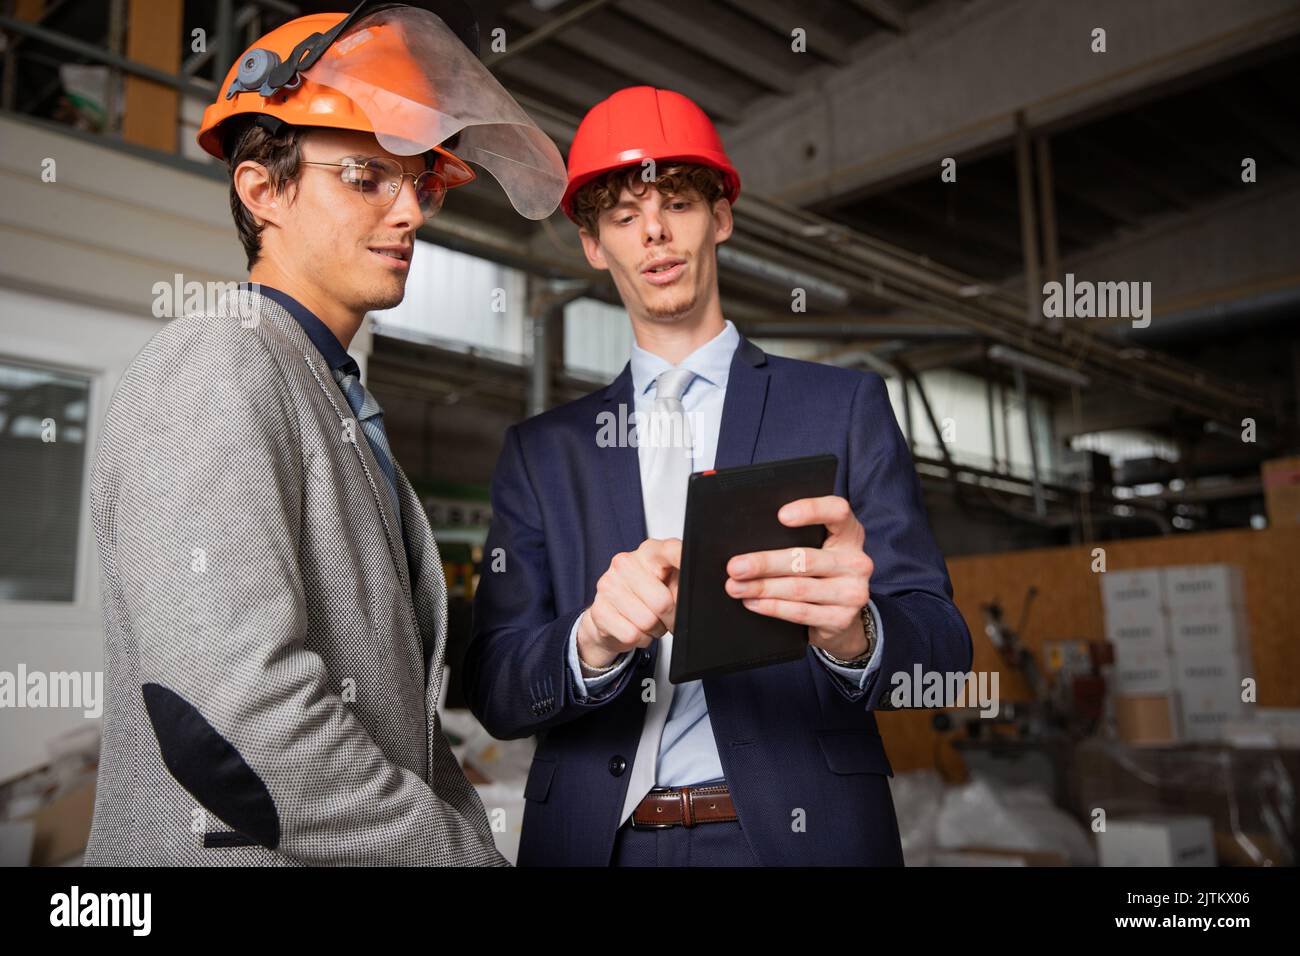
(869,626)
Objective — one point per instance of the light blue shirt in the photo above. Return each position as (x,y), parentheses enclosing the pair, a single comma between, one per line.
(688,754)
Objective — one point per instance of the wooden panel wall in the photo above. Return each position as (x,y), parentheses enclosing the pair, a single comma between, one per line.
(153,38)
(1069,606)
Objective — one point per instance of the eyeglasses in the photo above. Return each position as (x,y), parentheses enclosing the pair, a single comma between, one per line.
(380,180)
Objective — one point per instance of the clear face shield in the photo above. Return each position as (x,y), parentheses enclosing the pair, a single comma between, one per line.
(418,85)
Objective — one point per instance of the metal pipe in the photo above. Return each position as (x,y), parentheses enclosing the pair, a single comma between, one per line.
(288,8)
(1105,360)
(116,43)
(100,55)
(907,415)
(893,275)
(1040,506)
(1006,428)
(993,430)
(546,302)
(910,375)
(1028,223)
(552,27)
(225,51)
(1047,204)
(538,375)
(1029,363)
(765,269)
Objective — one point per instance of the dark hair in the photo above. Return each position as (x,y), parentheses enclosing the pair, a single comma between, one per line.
(602,193)
(280,153)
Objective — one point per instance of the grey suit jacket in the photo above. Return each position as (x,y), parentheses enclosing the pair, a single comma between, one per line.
(273,666)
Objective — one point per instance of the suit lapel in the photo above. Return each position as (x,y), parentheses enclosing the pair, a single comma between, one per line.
(621,466)
(742,410)
(742,418)
(429,586)
(428,582)
(263,306)
(349,425)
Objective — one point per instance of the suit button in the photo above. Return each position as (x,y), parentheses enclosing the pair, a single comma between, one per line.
(884,701)
(645,657)
(616,766)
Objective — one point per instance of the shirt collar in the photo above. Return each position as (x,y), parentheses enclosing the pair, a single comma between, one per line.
(326,342)
(711,361)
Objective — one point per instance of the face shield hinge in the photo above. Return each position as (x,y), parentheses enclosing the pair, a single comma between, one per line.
(262,71)
(304,56)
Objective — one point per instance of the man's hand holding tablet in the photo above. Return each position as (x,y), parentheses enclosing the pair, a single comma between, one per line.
(824,588)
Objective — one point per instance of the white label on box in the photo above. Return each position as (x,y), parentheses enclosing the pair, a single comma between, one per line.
(1203,584)
(1138,672)
(1126,628)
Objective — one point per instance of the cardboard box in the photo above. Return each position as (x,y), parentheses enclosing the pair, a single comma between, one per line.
(16,838)
(1133,603)
(1138,592)
(63,826)
(1209,693)
(1210,629)
(1141,669)
(1147,720)
(1196,588)
(1138,627)
(1280,723)
(1281,478)
(1157,841)
(1129,626)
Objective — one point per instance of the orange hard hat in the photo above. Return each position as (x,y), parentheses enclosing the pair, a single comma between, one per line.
(306,102)
(640,123)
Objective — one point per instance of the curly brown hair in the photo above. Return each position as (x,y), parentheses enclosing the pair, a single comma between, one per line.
(602,193)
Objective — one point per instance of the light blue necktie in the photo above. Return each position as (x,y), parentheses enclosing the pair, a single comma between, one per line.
(371,417)
(667,452)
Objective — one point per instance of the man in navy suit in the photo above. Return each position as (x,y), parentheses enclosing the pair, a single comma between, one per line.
(777,765)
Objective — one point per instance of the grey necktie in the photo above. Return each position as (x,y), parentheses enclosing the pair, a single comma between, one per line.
(666,457)
(371,418)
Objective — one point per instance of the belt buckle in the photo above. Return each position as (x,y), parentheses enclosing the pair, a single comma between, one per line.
(654,826)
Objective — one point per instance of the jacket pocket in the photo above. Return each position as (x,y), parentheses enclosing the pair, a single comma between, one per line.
(854,751)
(539,780)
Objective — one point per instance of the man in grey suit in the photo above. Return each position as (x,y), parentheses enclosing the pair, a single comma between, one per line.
(274,600)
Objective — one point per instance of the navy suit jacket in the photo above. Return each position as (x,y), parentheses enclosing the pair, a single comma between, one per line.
(800,749)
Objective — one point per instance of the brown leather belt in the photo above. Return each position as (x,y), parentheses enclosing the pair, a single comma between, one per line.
(684,806)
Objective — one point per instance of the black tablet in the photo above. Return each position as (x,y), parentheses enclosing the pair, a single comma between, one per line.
(731,511)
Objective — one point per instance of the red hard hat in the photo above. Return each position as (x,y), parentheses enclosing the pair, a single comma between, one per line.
(641,123)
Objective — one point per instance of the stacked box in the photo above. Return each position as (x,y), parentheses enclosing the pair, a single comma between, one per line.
(1136,624)
(1202,587)
(1146,721)
(1211,646)
(1157,840)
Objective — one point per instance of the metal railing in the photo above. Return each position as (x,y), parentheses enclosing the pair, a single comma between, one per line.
(220,49)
